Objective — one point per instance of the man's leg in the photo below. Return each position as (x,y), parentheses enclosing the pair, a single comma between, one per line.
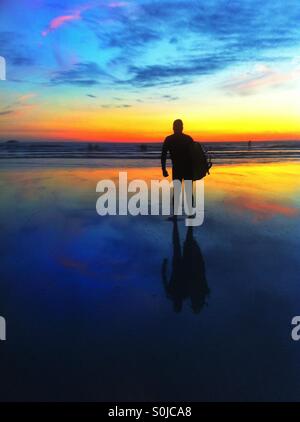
(177,191)
(189,196)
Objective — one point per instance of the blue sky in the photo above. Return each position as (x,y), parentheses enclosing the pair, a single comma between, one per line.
(117,55)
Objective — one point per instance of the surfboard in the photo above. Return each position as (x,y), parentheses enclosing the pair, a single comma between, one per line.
(200,163)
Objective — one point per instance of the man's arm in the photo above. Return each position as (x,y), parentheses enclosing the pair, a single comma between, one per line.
(164,153)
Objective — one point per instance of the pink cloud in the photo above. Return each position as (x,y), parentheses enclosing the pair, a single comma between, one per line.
(262,77)
(116,4)
(57,22)
(76,14)
(26,97)
(61,20)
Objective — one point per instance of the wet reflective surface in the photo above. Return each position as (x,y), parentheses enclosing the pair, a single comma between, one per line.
(140,308)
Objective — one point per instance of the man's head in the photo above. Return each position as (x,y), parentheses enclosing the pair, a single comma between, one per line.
(177,126)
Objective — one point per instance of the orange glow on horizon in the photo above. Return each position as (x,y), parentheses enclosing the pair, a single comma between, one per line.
(153,122)
(136,137)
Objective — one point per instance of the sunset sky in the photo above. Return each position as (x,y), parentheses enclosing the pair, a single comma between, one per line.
(124,70)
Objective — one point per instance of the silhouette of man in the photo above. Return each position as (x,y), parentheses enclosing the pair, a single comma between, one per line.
(188,279)
(178,145)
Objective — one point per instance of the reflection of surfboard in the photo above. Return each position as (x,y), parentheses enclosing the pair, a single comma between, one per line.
(200,163)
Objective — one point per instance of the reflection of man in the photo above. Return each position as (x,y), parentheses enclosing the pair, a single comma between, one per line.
(178,145)
(188,279)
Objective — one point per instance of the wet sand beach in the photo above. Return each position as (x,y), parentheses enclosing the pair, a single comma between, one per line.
(94,311)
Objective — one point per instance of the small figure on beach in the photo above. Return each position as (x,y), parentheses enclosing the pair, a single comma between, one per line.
(189,162)
(249,144)
(189,159)
(188,278)
(178,145)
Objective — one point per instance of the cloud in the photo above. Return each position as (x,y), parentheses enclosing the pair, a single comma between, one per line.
(26,97)
(169,42)
(170,97)
(262,77)
(61,20)
(91,95)
(76,14)
(116,106)
(118,4)
(248,28)
(80,74)
(14,49)
(21,103)
(177,73)
(136,35)
(5,112)
(220,32)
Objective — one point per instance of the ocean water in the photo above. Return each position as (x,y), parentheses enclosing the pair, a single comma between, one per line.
(220,152)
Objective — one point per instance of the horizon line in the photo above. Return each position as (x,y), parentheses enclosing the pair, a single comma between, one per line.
(139,142)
